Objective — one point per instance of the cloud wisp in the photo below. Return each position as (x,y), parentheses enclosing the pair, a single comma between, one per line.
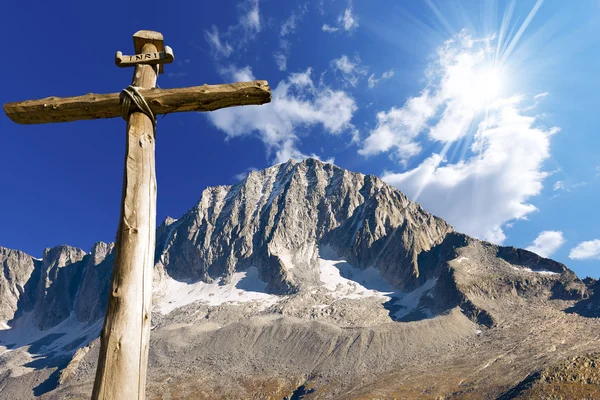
(347,21)
(350,70)
(250,18)
(372,81)
(287,28)
(220,47)
(224,43)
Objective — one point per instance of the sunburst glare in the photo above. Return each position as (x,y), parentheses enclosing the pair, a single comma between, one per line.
(486,86)
(476,116)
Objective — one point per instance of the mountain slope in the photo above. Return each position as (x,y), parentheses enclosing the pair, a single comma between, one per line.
(303,276)
(275,218)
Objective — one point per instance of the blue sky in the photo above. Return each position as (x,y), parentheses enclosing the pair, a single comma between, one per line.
(484,112)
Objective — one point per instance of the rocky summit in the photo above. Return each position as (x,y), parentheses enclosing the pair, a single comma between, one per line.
(307,281)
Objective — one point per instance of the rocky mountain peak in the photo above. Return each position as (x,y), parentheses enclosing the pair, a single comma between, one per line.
(58,284)
(277,218)
(17,270)
(300,270)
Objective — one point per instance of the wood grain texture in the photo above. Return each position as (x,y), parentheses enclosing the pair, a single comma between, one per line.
(161,57)
(123,359)
(140,38)
(162,101)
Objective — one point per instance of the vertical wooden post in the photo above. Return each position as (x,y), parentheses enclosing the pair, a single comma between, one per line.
(123,359)
(121,372)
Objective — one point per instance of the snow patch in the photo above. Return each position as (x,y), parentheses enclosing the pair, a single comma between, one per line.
(538,271)
(345,281)
(461,259)
(409,301)
(62,339)
(242,287)
(342,280)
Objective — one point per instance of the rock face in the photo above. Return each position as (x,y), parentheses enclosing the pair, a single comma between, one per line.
(276,219)
(65,282)
(92,297)
(304,279)
(17,271)
(58,285)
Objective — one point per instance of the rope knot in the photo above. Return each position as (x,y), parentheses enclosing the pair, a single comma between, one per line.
(131,94)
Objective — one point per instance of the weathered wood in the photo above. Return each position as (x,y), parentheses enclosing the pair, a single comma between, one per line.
(121,372)
(162,101)
(160,57)
(140,38)
(123,359)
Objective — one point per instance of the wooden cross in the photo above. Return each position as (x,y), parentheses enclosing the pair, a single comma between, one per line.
(121,372)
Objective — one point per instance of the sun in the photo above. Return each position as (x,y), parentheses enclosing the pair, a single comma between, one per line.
(485,86)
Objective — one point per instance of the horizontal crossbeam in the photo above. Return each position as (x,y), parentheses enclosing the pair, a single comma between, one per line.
(161,101)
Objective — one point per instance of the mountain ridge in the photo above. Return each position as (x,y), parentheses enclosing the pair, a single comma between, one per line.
(288,247)
(221,234)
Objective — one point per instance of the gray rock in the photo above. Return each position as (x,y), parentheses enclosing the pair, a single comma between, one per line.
(91,301)
(58,286)
(276,219)
(18,272)
(482,317)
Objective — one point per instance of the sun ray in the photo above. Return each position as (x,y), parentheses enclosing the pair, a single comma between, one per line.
(450,30)
(484,84)
(502,35)
(519,33)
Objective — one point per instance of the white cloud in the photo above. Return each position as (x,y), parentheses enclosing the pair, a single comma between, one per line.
(480,193)
(563,186)
(280,60)
(374,81)
(251,18)
(296,103)
(220,48)
(242,175)
(499,150)
(238,74)
(537,99)
(351,71)
(236,36)
(547,243)
(289,25)
(344,64)
(398,128)
(589,250)
(460,84)
(558,185)
(346,21)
